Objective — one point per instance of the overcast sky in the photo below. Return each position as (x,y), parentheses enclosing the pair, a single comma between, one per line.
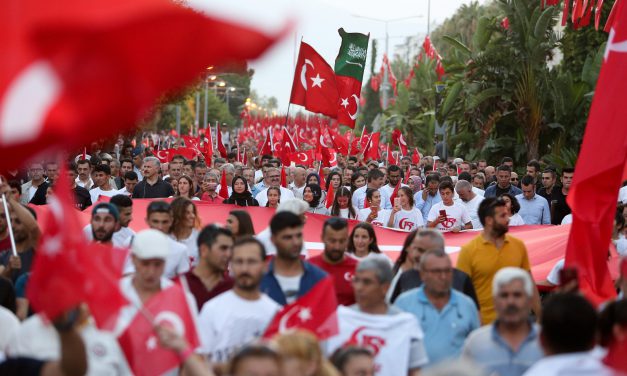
(318,24)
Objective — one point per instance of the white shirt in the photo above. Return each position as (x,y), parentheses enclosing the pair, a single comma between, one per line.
(120,239)
(228,322)
(516,220)
(408,220)
(36,339)
(456,214)
(382,217)
(86,185)
(298,192)
(478,191)
(262,196)
(389,190)
(9,324)
(97,192)
(554,274)
(622,195)
(191,245)
(568,218)
(265,237)
(176,263)
(123,191)
(229,189)
(290,286)
(472,207)
(359,196)
(573,364)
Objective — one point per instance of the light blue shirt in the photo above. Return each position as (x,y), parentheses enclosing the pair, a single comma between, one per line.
(535,211)
(445,330)
(425,205)
(487,348)
(258,188)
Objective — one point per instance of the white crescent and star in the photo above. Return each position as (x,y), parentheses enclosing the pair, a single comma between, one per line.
(304,155)
(354,115)
(303,70)
(322,141)
(614,46)
(303,313)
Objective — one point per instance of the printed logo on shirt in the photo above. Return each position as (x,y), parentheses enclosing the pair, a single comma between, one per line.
(449,222)
(374,223)
(406,224)
(372,342)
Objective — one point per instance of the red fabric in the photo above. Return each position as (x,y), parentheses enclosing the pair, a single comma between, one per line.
(314,84)
(221,148)
(288,146)
(330,196)
(342,274)
(141,345)
(340,143)
(89,69)
(372,148)
(349,91)
(224,189)
(598,172)
(75,271)
(395,192)
(415,159)
(398,139)
(305,158)
(265,148)
(390,156)
(283,178)
(315,311)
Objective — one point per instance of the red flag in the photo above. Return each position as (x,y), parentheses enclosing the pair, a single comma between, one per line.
(224,189)
(395,192)
(407,175)
(84,70)
(340,143)
(221,148)
(372,148)
(398,139)
(598,172)
(315,311)
(84,153)
(329,157)
(390,156)
(314,83)
(305,158)
(139,341)
(208,145)
(288,146)
(164,155)
(65,263)
(415,159)
(265,148)
(283,177)
(330,196)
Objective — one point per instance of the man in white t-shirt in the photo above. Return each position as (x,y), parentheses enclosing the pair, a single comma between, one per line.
(238,316)
(102,181)
(394,176)
(448,215)
(470,200)
(376,179)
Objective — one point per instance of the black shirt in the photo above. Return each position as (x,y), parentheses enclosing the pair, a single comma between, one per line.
(82,198)
(26,257)
(160,189)
(559,206)
(7,294)
(542,192)
(21,366)
(411,280)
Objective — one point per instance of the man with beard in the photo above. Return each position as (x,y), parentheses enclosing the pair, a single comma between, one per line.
(490,251)
(510,345)
(26,234)
(105,221)
(394,176)
(335,261)
(123,234)
(240,315)
(34,191)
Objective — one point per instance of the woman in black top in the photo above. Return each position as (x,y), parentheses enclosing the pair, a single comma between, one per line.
(241,196)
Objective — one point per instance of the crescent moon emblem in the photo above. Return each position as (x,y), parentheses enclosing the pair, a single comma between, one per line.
(354,115)
(283,322)
(401,139)
(300,134)
(322,141)
(173,319)
(305,159)
(333,162)
(303,70)
(160,156)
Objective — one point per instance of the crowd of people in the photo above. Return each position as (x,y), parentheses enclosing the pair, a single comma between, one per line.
(420,313)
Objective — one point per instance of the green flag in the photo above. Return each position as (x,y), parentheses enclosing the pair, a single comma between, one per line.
(351,59)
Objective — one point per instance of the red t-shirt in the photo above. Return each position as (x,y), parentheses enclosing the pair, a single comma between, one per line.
(200,292)
(342,274)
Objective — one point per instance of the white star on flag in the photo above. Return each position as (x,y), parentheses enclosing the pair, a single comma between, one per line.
(304,314)
(344,102)
(317,81)
(151,343)
(52,246)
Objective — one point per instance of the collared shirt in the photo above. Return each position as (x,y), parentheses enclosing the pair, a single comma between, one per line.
(487,348)
(207,197)
(258,188)
(359,197)
(446,329)
(480,259)
(534,211)
(579,363)
(160,189)
(425,205)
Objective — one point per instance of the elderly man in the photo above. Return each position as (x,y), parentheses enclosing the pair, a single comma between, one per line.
(209,189)
(510,345)
(393,335)
(152,186)
(34,191)
(447,316)
(470,200)
(273,176)
(534,209)
(298,185)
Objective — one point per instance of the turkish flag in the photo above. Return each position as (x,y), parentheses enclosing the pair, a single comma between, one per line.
(288,146)
(85,70)
(330,196)
(349,91)
(314,83)
(221,147)
(594,190)
(305,158)
(390,156)
(224,188)
(340,143)
(139,341)
(283,177)
(208,146)
(329,157)
(67,271)
(395,192)
(265,148)
(164,155)
(372,147)
(398,139)
(415,159)
(315,311)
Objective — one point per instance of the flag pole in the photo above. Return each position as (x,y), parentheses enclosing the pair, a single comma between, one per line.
(287,115)
(9,225)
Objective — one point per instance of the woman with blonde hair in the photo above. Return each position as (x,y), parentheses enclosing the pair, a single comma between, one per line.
(185,225)
(301,355)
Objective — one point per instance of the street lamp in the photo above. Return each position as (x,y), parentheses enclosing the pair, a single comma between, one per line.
(385,85)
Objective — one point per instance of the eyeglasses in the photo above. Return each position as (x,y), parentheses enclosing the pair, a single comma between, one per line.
(273,176)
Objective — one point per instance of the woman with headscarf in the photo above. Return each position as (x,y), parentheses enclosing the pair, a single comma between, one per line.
(241,196)
(314,178)
(415,183)
(312,195)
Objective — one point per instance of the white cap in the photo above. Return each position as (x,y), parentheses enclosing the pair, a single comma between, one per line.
(150,244)
(458,161)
